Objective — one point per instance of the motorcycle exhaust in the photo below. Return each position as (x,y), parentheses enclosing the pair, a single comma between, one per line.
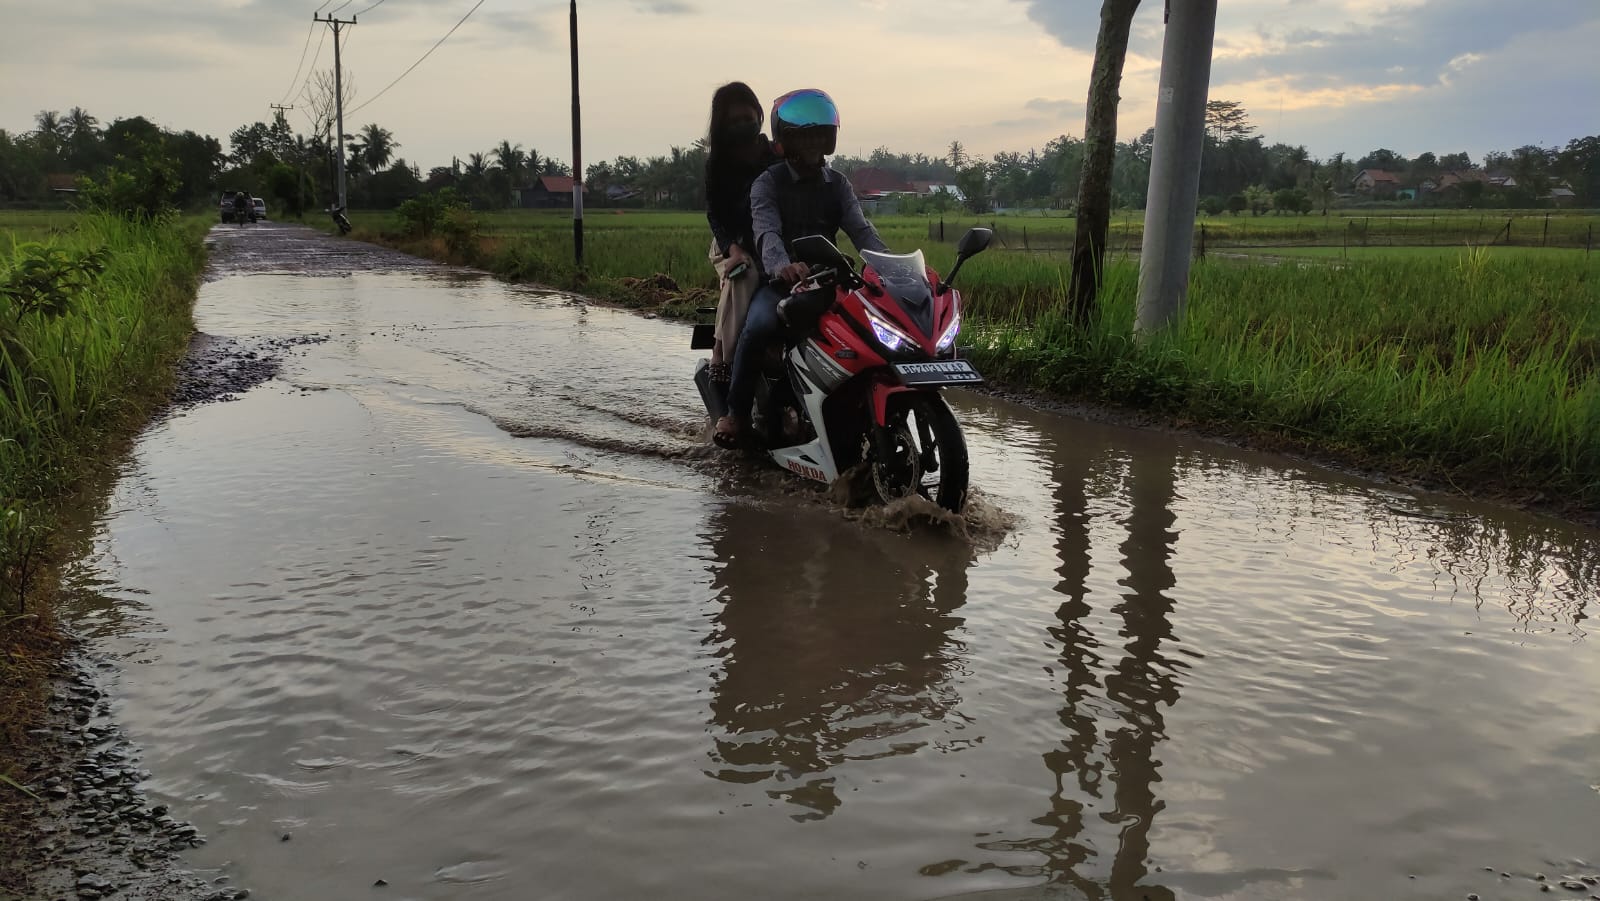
(713,394)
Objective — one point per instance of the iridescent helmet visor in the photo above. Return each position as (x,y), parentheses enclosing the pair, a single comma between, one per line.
(805,109)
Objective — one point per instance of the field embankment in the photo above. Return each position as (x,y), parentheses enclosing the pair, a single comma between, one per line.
(1471,368)
(94,312)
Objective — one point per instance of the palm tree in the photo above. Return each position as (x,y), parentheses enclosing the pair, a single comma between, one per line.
(377,146)
(1322,192)
(52,131)
(511,159)
(79,124)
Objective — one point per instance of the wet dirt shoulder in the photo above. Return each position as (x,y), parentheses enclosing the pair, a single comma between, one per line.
(77,824)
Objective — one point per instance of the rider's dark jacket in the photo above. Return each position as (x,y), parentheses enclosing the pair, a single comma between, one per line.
(785,206)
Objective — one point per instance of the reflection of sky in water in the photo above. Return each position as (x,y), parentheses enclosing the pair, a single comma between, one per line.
(597,660)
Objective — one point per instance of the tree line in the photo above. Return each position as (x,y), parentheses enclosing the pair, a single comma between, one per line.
(1241,172)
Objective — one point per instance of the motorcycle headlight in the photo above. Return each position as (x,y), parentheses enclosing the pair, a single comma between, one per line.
(948,339)
(890,337)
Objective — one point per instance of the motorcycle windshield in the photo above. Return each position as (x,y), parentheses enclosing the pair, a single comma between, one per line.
(904,276)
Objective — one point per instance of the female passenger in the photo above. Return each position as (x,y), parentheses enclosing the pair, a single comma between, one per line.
(739,152)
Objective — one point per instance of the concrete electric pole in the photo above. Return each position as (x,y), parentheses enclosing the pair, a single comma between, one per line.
(577,150)
(338,96)
(1175,163)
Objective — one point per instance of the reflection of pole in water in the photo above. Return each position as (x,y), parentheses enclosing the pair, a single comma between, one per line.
(1135,687)
(1143,680)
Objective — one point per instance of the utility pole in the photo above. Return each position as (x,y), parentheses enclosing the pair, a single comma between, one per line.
(1175,163)
(338,94)
(577,150)
(300,163)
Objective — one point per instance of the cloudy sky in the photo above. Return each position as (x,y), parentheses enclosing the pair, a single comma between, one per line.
(1335,75)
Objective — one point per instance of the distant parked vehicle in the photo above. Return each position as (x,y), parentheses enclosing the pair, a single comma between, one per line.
(260,208)
(225,206)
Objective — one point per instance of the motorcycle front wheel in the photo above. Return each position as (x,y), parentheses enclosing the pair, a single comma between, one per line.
(926,454)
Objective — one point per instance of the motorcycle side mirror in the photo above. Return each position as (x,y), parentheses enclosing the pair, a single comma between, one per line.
(974,242)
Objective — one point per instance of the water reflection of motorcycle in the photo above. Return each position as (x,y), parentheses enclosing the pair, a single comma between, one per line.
(835,645)
(867,354)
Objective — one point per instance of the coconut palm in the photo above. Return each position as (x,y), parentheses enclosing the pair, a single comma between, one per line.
(511,159)
(79,124)
(52,131)
(377,146)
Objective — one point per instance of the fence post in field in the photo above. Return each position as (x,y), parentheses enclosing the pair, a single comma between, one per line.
(1588,244)
(1433,230)
(1025,238)
(1509,220)
(1366,229)
(1545,241)
(1345,254)
(941,226)
(1200,249)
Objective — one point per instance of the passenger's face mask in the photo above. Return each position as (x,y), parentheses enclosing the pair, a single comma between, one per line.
(739,132)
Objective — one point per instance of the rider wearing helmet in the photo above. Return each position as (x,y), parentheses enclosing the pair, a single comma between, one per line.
(797,197)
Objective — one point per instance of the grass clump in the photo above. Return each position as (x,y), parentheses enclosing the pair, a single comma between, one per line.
(91,320)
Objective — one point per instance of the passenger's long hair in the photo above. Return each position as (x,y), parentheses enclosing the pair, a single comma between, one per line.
(726,97)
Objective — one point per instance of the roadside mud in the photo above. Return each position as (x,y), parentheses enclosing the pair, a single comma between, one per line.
(220,369)
(94,832)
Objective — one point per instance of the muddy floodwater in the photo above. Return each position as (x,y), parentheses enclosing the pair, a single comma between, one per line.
(460,602)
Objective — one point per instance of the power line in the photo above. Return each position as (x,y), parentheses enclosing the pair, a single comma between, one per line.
(296,77)
(320,8)
(314,57)
(367,10)
(339,7)
(420,59)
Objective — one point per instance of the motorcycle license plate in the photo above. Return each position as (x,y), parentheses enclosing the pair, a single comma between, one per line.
(942,372)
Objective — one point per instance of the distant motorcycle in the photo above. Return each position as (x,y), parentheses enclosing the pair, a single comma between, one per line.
(339,219)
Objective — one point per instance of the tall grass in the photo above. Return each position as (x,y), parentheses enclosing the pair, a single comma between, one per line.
(1477,370)
(72,384)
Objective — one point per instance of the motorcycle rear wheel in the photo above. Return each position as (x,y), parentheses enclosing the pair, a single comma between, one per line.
(928,455)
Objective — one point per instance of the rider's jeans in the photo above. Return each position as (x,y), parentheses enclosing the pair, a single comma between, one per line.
(761,328)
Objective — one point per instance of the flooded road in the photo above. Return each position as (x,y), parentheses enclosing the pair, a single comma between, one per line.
(460,603)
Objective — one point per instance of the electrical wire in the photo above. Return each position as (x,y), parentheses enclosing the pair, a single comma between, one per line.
(314,57)
(367,10)
(336,9)
(420,59)
(298,66)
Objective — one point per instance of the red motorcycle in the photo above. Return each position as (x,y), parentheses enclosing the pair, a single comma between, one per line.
(865,356)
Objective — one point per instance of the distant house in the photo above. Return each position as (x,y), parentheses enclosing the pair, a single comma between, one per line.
(62,183)
(549,192)
(1375,181)
(952,190)
(870,181)
(1561,195)
(1502,180)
